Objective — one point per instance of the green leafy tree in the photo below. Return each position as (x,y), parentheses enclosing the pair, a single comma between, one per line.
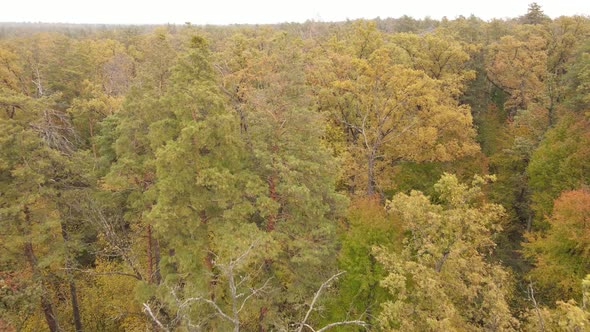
(561,256)
(535,15)
(204,191)
(300,204)
(40,168)
(131,137)
(559,164)
(358,292)
(566,316)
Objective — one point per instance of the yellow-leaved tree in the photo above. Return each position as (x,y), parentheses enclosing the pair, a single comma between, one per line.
(392,111)
(443,279)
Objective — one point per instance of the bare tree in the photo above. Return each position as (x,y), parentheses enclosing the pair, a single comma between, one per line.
(531,293)
(111,227)
(56,130)
(238,294)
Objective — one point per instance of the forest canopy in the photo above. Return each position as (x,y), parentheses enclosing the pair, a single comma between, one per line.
(369,175)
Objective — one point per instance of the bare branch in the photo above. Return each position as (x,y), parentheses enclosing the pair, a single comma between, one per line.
(347,322)
(216,307)
(238,297)
(148,310)
(254,292)
(531,292)
(315,298)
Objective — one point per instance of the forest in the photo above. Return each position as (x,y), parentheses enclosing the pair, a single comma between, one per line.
(393,174)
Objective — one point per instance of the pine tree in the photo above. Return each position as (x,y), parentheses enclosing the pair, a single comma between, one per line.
(534,15)
(299,204)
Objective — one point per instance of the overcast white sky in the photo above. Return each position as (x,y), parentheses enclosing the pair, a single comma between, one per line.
(266,11)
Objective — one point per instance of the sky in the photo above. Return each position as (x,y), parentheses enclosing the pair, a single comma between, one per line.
(201,12)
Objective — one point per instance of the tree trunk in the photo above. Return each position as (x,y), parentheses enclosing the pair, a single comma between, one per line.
(209,258)
(150,262)
(439,264)
(234,299)
(531,292)
(371,174)
(371,292)
(271,220)
(46,304)
(75,307)
(157,275)
(272,190)
(72,284)
(550,114)
(261,316)
(91,132)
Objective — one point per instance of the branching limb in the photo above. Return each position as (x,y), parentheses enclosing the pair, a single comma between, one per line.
(315,299)
(148,311)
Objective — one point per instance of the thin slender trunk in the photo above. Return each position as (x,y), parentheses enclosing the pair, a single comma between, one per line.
(157,275)
(551,105)
(75,307)
(209,264)
(150,262)
(272,191)
(261,316)
(371,174)
(271,220)
(536,306)
(439,264)
(91,131)
(234,298)
(72,284)
(46,304)
(372,287)
(529,223)
(270,226)
(209,258)
(550,114)
(11,112)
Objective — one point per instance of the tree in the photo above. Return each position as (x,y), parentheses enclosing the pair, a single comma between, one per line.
(204,191)
(561,256)
(390,112)
(566,316)
(559,164)
(29,219)
(518,67)
(565,43)
(303,324)
(299,205)
(358,292)
(439,56)
(39,168)
(534,15)
(89,110)
(128,138)
(578,81)
(239,284)
(445,263)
